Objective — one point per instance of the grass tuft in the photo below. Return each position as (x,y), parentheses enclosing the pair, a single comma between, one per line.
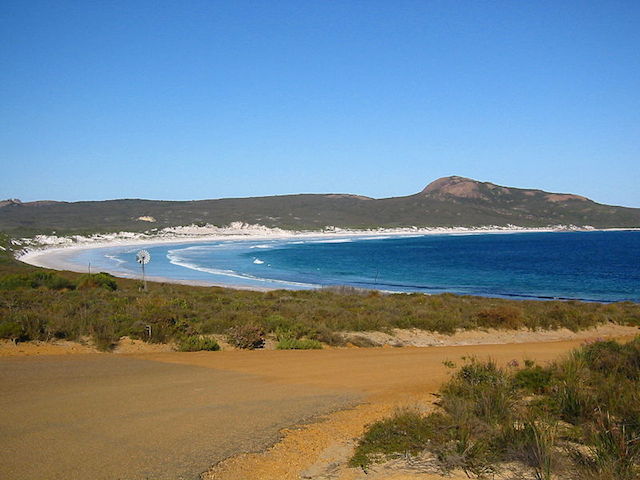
(290,343)
(196,343)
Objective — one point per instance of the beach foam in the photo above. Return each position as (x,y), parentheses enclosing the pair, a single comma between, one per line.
(182,262)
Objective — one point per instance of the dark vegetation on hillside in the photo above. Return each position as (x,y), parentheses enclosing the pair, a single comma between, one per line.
(578,418)
(452,201)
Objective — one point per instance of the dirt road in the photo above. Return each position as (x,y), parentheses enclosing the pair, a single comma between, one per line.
(173,415)
(106,417)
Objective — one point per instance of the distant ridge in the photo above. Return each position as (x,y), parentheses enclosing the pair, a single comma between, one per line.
(448,201)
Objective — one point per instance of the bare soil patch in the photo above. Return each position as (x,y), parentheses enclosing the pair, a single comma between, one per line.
(107,417)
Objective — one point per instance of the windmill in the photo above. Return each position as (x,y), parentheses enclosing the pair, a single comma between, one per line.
(143,257)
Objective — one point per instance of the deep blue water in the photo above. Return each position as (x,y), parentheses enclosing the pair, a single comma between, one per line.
(598,266)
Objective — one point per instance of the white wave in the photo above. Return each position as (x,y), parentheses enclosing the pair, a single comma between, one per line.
(261,246)
(335,240)
(180,262)
(196,249)
(115,259)
(378,237)
(257,261)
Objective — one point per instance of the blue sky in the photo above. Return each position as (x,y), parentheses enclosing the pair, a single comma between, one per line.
(209,99)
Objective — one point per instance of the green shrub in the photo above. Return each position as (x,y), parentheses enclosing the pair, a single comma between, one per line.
(59,283)
(195,343)
(407,432)
(533,378)
(278,323)
(38,279)
(33,326)
(489,417)
(14,281)
(11,330)
(462,445)
(533,443)
(103,333)
(98,280)
(609,357)
(613,453)
(291,343)
(504,316)
(248,336)
(482,388)
(568,315)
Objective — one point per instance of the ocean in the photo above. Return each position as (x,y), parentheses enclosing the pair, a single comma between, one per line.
(591,266)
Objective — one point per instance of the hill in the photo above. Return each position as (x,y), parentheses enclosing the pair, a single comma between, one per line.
(448,201)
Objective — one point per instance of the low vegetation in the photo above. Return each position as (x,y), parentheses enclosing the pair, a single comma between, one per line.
(197,343)
(248,336)
(290,343)
(578,418)
(36,279)
(99,280)
(46,306)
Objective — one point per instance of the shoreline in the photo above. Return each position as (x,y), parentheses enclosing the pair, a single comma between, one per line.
(53,252)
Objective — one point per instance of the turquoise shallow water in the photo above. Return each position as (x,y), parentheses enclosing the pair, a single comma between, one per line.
(597,266)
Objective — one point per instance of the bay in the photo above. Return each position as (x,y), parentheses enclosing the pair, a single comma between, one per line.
(593,266)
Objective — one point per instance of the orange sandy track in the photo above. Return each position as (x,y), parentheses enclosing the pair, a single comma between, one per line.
(370,370)
(173,415)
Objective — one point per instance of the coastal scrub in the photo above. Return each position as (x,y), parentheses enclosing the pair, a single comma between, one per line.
(36,304)
(577,418)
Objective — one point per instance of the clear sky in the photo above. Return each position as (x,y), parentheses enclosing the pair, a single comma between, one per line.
(208,99)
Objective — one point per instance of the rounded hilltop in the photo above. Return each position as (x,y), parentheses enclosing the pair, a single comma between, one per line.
(454,186)
(468,188)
